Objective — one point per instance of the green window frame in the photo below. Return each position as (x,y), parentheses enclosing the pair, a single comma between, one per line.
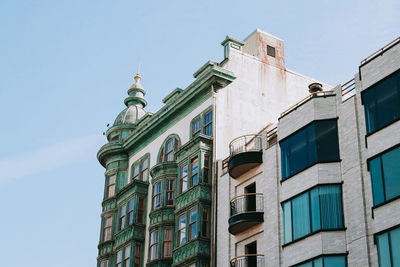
(385,173)
(140,169)
(123,258)
(156,200)
(202,123)
(168,149)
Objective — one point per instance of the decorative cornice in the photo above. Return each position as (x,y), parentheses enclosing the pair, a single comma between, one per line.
(211,75)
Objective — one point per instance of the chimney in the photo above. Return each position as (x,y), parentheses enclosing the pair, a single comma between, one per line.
(315,88)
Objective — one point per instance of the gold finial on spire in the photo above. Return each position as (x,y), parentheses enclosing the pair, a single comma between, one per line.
(137,76)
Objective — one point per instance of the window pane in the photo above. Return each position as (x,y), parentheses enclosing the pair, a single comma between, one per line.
(287,222)
(196,128)
(298,151)
(112,179)
(301,216)
(315,210)
(335,261)
(184,181)
(193,223)
(395,242)
(195,171)
(391,172)
(327,140)
(368,98)
(119,256)
(382,103)
(127,252)
(331,207)
(307,264)
(182,229)
(383,250)
(319,263)
(208,124)
(377,180)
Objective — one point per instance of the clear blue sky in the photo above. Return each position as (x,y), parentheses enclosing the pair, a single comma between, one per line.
(65,67)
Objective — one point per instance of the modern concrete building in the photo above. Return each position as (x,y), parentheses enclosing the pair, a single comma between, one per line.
(188,185)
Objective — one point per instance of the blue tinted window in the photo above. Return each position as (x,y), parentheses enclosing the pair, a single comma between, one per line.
(301,216)
(388,245)
(317,209)
(385,175)
(326,261)
(382,103)
(317,142)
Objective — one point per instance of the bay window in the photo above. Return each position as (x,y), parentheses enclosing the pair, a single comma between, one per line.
(317,209)
(315,143)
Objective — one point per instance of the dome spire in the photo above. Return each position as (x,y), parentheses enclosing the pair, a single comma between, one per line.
(136,92)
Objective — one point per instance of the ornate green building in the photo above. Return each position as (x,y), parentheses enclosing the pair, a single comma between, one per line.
(159,177)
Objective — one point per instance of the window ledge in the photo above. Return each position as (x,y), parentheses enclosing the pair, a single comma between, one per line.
(381,128)
(314,233)
(385,202)
(318,162)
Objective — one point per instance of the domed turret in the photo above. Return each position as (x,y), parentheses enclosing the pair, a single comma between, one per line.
(127,119)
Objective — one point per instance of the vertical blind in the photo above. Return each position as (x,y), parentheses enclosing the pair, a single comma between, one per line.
(317,209)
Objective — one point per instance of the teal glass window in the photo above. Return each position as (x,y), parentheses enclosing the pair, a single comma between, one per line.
(326,261)
(388,245)
(385,173)
(382,103)
(317,142)
(317,209)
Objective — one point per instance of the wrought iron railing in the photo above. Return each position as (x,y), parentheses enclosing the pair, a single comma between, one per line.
(348,89)
(251,202)
(245,143)
(248,260)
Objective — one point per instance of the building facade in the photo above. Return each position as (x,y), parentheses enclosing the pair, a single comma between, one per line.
(219,176)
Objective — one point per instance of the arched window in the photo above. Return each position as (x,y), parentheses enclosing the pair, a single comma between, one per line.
(168,149)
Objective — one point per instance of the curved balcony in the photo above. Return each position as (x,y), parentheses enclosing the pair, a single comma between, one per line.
(247,210)
(245,154)
(248,260)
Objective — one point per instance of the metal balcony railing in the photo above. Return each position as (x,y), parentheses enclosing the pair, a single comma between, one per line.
(301,102)
(251,202)
(380,51)
(248,260)
(245,143)
(348,89)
